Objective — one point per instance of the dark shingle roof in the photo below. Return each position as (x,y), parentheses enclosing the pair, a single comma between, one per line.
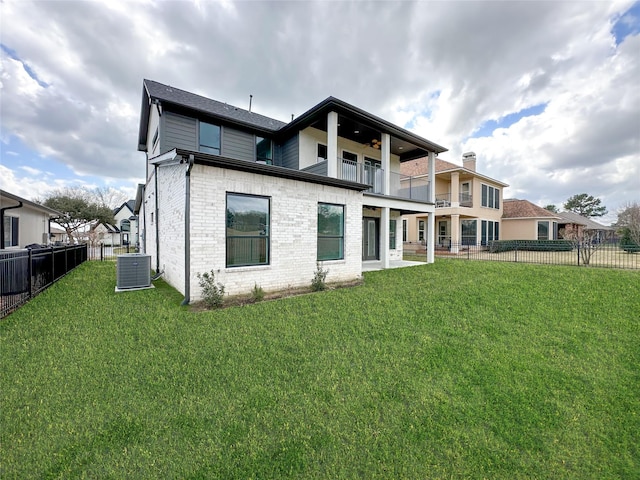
(576,219)
(174,95)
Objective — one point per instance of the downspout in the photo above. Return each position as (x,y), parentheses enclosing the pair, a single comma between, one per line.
(2,210)
(155,178)
(187,235)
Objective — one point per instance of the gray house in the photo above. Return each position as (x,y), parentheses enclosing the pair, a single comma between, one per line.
(262,202)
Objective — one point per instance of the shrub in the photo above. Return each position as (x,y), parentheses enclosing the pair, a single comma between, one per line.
(319,277)
(212,292)
(257,294)
(498,246)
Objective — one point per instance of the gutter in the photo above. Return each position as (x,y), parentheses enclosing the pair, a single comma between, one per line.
(2,222)
(187,234)
(155,178)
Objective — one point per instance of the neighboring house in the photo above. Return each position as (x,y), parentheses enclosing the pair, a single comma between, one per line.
(59,236)
(124,231)
(24,222)
(468,206)
(126,223)
(522,220)
(105,234)
(261,201)
(573,222)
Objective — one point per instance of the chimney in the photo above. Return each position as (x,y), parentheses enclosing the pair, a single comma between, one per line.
(469,161)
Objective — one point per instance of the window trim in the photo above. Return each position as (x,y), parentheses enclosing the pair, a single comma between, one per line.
(12,231)
(267,234)
(319,236)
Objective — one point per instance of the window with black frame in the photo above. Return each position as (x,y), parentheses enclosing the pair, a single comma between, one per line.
(330,231)
(247,230)
(209,138)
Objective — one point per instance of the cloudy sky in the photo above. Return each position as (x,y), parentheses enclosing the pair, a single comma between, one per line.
(546,93)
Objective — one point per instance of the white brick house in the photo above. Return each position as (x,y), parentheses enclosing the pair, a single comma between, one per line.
(260,202)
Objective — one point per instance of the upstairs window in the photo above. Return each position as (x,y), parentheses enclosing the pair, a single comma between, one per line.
(125,225)
(264,150)
(209,138)
(248,225)
(490,197)
(322,152)
(330,231)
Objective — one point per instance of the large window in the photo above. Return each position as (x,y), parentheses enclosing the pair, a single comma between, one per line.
(543,230)
(469,233)
(125,225)
(10,231)
(392,234)
(490,197)
(248,225)
(490,231)
(209,138)
(264,150)
(404,229)
(330,231)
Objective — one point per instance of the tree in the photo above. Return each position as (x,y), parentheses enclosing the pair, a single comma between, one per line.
(552,208)
(79,208)
(587,240)
(629,224)
(585,205)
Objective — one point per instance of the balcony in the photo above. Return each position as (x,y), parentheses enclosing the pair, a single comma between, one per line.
(443,200)
(402,186)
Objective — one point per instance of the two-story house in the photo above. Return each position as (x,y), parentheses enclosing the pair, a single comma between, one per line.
(261,201)
(468,206)
(124,230)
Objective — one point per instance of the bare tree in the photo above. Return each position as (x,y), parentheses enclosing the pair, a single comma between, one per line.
(629,220)
(587,240)
(109,197)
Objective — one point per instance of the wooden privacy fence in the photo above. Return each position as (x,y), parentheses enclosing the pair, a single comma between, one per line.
(26,272)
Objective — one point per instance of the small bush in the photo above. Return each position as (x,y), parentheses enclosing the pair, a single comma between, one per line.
(212,292)
(319,277)
(257,294)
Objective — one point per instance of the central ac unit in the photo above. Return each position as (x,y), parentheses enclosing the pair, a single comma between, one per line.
(133,270)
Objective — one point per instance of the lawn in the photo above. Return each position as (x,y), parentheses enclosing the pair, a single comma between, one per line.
(451,370)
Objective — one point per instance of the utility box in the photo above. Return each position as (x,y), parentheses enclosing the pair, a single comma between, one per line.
(133,271)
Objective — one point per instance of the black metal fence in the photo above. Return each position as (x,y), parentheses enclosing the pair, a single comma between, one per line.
(611,254)
(108,252)
(26,272)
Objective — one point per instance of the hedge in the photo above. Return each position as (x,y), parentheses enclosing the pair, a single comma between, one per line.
(498,246)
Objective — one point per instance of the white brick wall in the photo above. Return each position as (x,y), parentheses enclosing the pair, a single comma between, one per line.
(293,231)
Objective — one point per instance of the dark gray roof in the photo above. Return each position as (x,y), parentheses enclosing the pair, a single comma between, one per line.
(571,217)
(174,95)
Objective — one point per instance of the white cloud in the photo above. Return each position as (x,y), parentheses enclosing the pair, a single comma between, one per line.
(444,68)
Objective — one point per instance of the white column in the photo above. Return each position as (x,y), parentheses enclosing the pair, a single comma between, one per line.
(431,220)
(332,145)
(384,237)
(455,233)
(385,156)
(455,189)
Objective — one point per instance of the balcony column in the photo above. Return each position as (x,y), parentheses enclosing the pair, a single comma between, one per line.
(431,219)
(455,189)
(332,145)
(385,157)
(455,233)
(384,237)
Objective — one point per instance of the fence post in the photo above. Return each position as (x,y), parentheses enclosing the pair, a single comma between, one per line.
(102,252)
(578,254)
(53,265)
(30,273)
(515,253)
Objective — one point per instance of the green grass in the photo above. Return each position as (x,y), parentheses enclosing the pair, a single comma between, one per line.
(450,370)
